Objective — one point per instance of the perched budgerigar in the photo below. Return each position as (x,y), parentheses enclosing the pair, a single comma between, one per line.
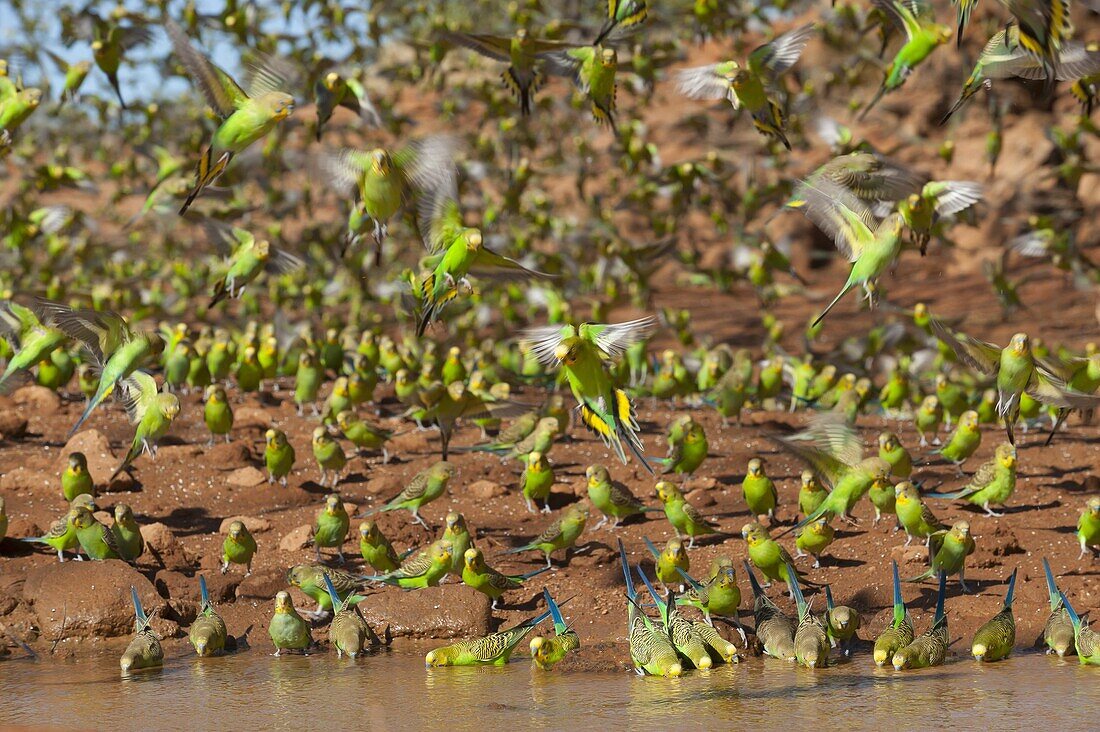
(774,630)
(245,116)
(1085,639)
(929,649)
(651,649)
(238,547)
(750,86)
(687,641)
(288,631)
(670,561)
(1058,633)
(811,637)
(376,548)
(310,579)
(547,651)
(425,487)
(964,441)
(493,649)
(684,517)
(425,569)
(560,534)
(585,353)
(329,455)
(613,499)
(841,621)
(914,515)
(1088,527)
(759,490)
(899,633)
(349,632)
(483,578)
(995,639)
(330,530)
(278,456)
(75,479)
(128,539)
(947,552)
(992,484)
(208,633)
(144,650)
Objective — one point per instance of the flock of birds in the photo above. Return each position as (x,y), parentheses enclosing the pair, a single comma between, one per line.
(466,287)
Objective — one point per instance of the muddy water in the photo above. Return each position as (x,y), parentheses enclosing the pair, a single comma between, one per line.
(251,691)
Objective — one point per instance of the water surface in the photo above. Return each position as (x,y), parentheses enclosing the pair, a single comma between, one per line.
(252,691)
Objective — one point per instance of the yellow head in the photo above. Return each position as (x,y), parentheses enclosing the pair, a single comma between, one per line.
(283,605)
(756,468)
(1020,344)
(597,474)
(1006,455)
(236,530)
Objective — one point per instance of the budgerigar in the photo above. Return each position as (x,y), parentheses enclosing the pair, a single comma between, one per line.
(288,631)
(613,499)
(995,639)
(330,529)
(750,86)
(992,484)
(238,547)
(492,583)
(144,650)
(811,637)
(1017,371)
(245,116)
(899,633)
(208,633)
(929,649)
(651,649)
(923,35)
(547,651)
(1085,639)
(1058,633)
(841,622)
(585,353)
(1088,527)
(947,553)
(32,333)
(560,534)
(774,630)
(425,487)
(425,569)
(494,649)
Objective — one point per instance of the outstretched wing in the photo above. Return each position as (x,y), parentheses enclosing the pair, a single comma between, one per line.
(221,92)
(613,339)
(979,355)
(782,52)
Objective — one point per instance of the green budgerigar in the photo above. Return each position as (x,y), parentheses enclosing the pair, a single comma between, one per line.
(144,650)
(1085,639)
(899,633)
(914,515)
(329,455)
(278,456)
(811,637)
(238,547)
(330,529)
(992,484)
(288,631)
(1058,633)
(995,639)
(492,583)
(494,649)
(425,569)
(31,332)
(923,35)
(759,490)
(841,622)
(592,69)
(930,648)
(651,650)
(1088,527)
(75,478)
(425,487)
(217,413)
(128,539)
(612,498)
(774,630)
(376,548)
(249,256)
(947,553)
(561,534)
(586,353)
(97,541)
(245,116)
(751,85)
(684,517)
(208,634)
(547,651)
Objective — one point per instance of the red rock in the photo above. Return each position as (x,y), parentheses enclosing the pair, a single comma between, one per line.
(25,479)
(446,611)
(37,399)
(226,454)
(486,489)
(296,540)
(162,545)
(12,425)
(700,498)
(91,599)
(262,584)
(247,477)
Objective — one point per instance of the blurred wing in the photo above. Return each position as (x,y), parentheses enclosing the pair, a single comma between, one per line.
(956,195)
(782,53)
(702,82)
(221,92)
(139,390)
(615,338)
(490,263)
(342,169)
(497,48)
(838,213)
(979,355)
(544,341)
(265,73)
(428,163)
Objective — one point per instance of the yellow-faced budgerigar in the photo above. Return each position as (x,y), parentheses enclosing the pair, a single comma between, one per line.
(1085,639)
(494,649)
(547,651)
(1058,633)
(249,256)
(150,410)
(585,353)
(651,650)
(245,116)
(774,630)
(208,634)
(1017,371)
(929,649)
